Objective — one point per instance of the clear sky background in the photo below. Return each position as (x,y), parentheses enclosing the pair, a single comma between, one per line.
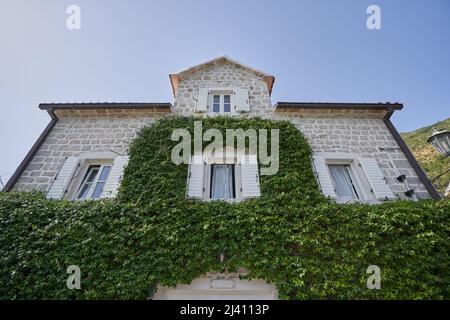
(317,50)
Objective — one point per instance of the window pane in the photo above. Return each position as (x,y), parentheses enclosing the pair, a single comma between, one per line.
(91,174)
(226,99)
(84,191)
(345,188)
(105,173)
(98,190)
(216,107)
(222,182)
(216,99)
(87,182)
(226,107)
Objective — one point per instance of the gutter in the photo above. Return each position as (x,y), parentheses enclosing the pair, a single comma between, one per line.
(29,156)
(167,106)
(412,160)
(338,106)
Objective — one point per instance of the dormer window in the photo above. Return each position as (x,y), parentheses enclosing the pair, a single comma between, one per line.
(221,103)
(222,100)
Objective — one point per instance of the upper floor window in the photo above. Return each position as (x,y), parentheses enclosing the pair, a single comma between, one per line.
(221,103)
(347,177)
(88,176)
(223,184)
(344,181)
(93,182)
(222,100)
(222,178)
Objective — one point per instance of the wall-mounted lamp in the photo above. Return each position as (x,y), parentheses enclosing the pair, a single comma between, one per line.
(409,193)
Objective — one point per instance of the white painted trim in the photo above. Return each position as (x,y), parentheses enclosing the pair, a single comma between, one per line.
(361,179)
(94,182)
(78,176)
(201,289)
(221,93)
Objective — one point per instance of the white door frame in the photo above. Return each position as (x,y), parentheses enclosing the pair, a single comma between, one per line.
(219,287)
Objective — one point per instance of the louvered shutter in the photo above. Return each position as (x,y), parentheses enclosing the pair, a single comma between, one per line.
(241,100)
(377,182)
(323,175)
(112,183)
(61,182)
(202,100)
(195,177)
(250,177)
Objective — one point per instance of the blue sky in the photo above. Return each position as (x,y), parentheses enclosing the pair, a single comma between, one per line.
(317,50)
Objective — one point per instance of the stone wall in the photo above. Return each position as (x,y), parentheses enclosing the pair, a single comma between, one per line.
(362,133)
(223,76)
(82,131)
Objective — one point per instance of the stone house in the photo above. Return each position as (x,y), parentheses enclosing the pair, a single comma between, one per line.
(358,153)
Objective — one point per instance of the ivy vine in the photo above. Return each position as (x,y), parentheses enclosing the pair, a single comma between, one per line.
(291,236)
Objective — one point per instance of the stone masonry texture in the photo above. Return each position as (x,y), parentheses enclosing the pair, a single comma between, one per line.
(82,131)
(350,131)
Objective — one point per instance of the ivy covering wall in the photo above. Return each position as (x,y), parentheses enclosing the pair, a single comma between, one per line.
(293,237)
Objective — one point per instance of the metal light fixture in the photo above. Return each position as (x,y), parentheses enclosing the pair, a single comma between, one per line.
(440,140)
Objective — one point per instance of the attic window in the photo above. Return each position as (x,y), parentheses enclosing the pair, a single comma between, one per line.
(222,100)
(221,103)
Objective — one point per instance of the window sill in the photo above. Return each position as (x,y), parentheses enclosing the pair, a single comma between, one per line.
(218,114)
(231,201)
(235,200)
(361,201)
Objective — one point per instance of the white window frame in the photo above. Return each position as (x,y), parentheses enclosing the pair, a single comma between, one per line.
(353,177)
(79,176)
(222,93)
(227,156)
(94,183)
(361,181)
(208,181)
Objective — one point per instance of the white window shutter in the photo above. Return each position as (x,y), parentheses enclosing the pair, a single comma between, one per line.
(195,177)
(377,182)
(202,100)
(250,177)
(61,182)
(112,183)
(241,100)
(323,176)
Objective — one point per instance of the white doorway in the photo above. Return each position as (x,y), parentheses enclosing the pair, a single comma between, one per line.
(219,287)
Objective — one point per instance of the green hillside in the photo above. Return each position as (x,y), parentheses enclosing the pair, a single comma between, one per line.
(430,160)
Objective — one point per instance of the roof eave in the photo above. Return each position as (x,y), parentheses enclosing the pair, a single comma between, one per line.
(106,105)
(338,106)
